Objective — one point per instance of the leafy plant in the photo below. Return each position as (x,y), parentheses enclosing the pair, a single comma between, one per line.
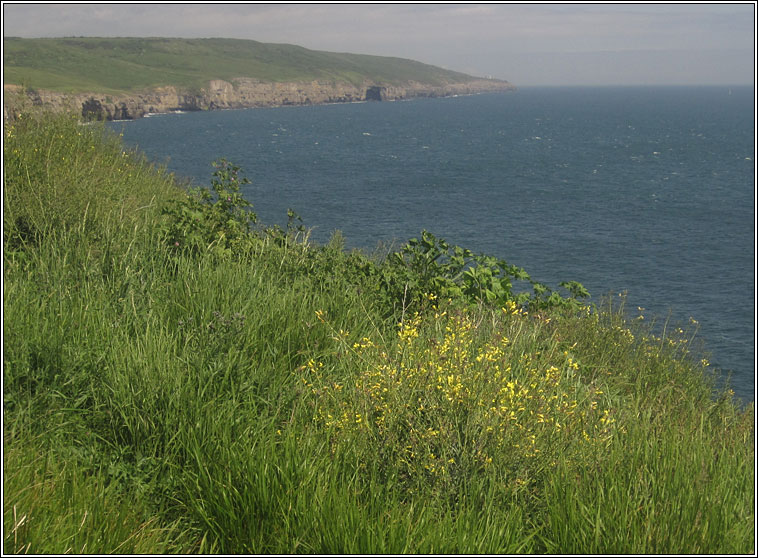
(215,219)
(431,265)
(294,233)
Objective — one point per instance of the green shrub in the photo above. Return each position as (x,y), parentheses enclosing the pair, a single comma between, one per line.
(215,219)
(432,266)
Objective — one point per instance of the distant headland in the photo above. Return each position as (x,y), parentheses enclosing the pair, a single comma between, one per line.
(127,78)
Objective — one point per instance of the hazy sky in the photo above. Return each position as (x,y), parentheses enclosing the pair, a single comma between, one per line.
(525,43)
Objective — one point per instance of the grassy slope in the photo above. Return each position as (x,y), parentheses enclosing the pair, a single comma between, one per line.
(264,400)
(130,64)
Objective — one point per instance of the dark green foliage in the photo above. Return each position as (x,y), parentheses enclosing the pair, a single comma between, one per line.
(215,219)
(431,265)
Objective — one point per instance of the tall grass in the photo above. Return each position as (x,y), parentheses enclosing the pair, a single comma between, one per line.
(56,503)
(281,398)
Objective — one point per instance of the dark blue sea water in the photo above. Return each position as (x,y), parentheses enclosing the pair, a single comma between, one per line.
(649,191)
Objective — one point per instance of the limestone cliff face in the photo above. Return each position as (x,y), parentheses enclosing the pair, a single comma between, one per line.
(239,93)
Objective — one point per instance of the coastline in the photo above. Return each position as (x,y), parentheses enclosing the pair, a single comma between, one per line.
(237,94)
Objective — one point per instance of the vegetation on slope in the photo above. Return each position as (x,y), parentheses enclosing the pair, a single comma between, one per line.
(129,65)
(179,378)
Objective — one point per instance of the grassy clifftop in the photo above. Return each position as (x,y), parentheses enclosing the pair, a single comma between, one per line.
(127,65)
(181,379)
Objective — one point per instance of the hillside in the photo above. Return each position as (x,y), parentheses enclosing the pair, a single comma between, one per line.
(199,74)
(179,378)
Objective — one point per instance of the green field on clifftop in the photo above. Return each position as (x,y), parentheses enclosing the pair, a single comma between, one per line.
(127,65)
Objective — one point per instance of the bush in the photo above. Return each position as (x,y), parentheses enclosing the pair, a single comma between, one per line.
(432,266)
(215,219)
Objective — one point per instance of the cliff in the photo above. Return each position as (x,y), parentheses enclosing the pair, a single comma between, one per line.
(234,94)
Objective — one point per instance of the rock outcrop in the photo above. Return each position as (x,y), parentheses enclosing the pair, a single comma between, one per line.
(239,93)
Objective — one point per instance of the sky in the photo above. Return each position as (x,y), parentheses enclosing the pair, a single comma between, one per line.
(528,44)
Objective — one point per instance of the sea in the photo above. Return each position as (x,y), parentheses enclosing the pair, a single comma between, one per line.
(640,193)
